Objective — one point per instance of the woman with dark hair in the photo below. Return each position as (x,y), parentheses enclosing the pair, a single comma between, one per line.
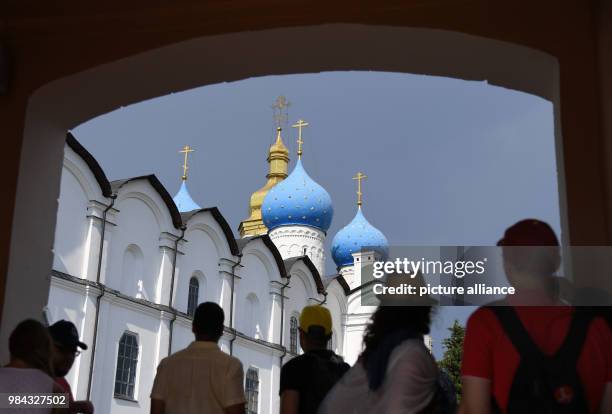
(395,373)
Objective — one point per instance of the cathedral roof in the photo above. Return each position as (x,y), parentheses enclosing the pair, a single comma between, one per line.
(353,237)
(183,199)
(91,162)
(341,281)
(161,190)
(298,200)
(227,231)
(244,241)
(310,265)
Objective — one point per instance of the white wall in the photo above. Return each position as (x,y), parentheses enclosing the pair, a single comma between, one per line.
(117,317)
(252,315)
(267,362)
(68,302)
(336,303)
(202,250)
(141,219)
(78,186)
(292,241)
(141,225)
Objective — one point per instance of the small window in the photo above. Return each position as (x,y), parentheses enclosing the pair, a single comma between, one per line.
(252,391)
(304,251)
(127,362)
(192,300)
(293,331)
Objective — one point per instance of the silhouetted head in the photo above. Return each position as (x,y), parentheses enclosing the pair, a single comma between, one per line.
(66,343)
(30,343)
(389,327)
(315,327)
(389,319)
(530,250)
(208,322)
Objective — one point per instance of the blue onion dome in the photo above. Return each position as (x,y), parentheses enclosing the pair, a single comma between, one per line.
(297,200)
(358,234)
(183,200)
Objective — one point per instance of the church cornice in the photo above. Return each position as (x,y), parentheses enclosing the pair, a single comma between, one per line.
(289,263)
(225,227)
(267,241)
(91,162)
(161,190)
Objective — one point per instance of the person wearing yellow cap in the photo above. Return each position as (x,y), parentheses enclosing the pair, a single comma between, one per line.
(307,378)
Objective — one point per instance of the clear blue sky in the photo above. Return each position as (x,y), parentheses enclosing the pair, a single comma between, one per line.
(449,162)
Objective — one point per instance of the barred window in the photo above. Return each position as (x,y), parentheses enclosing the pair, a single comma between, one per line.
(192,300)
(252,391)
(293,331)
(127,361)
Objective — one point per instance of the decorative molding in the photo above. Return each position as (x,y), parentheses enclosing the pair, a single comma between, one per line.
(167,241)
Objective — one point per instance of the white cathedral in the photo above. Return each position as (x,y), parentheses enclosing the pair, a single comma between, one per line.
(131,263)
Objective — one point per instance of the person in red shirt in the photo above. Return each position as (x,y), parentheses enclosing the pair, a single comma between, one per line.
(491,359)
(66,340)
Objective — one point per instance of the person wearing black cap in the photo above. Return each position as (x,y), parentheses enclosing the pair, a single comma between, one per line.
(66,343)
(533,353)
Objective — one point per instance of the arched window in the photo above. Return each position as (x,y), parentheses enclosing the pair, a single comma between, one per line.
(252,391)
(127,362)
(192,300)
(293,332)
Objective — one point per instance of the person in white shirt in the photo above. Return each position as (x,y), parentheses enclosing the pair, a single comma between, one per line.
(395,373)
(200,378)
(29,370)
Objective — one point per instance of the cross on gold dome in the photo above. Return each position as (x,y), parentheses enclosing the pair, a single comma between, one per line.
(280,111)
(359,177)
(299,125)
(186,150)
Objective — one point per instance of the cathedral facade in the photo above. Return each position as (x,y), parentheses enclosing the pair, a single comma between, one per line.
(131,263)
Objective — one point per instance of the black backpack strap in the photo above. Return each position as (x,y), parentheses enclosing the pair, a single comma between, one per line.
(516,332)
(570,350)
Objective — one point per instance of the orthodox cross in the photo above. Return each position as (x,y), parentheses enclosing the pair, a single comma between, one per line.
(299,125)
(280,111)
(360,176)
(186,150)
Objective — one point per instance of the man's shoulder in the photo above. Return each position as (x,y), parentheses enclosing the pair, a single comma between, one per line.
(483,315)
(189,353)
(178,355)
(230,359)
(297,362)
(311,358)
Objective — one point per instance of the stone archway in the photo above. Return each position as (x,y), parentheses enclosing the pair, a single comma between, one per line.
(67,102)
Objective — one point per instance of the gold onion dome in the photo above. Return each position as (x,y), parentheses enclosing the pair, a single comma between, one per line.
(278,160)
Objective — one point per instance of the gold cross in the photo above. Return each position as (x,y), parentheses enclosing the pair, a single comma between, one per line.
(359,177)
(186,150)
(299,125)
(280,117)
